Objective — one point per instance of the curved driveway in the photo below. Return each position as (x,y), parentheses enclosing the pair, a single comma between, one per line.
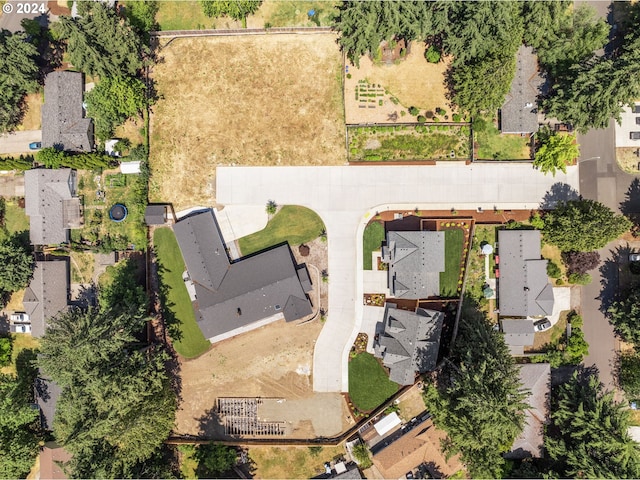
(345,198)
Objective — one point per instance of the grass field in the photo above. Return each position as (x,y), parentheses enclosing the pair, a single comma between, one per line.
(15,219)
(82,264)
(492,145)
(33,117)
(291,462)
(185,334)
(254,100)
(453,241)
(372,239)
(409,143)
(369,384)
(20,342)
(292,223)
(182,15)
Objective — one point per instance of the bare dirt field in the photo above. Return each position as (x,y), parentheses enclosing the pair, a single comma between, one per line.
(263,100)
(274,362)
(412,81)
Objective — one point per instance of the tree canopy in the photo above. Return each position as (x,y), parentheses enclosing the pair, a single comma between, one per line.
(18,73)
(112,101)
(583,226)
(588,436)
(478,399)
(142,15)
(624,314)
(99,42)
(117,406)
(555,151)
(364,25)
(236,9)
(17,265)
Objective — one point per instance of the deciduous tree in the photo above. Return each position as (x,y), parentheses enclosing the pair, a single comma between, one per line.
(478,399)
(555,151)
(580,262)
(583,225)
(236,9)
(215,458)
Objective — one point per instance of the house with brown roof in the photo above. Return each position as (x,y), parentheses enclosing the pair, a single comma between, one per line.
(52,460)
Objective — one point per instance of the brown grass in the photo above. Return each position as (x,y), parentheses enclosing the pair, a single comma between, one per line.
(131,129)
(265,100)
(33,117)
(413,81)
(15,302)
(411,404)
(549,336)
(291,462)
(627,160)
(551,252)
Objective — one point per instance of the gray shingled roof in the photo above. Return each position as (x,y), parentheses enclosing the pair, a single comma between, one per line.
(415,261)
(233,295)
(155,214)
(536,378)
(51,204)
(409,343)
(63,124)
(523,287)
(519,113)
(518,333)
(47,393)
(47,294)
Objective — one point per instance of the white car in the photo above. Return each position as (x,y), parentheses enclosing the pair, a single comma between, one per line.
(21,328)
(20,317)
(634,257)
(541,325)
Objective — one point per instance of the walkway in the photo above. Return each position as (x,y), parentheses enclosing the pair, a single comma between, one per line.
(347,197)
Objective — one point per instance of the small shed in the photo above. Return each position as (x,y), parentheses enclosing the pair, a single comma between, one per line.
(155,214)
(130,167)
(387,424)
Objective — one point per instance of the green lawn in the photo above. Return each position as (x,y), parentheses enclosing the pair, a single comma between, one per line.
(369,385)
(182,15)
(420,142)
(294,13)
(15,220)
(372,239)
(178,312)
(492,145)
(292,223)
(453,241)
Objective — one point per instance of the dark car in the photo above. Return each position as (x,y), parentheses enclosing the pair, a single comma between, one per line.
(35,145)
(541,325)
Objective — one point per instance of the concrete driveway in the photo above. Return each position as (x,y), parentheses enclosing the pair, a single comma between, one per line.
(18,142)
(347,198)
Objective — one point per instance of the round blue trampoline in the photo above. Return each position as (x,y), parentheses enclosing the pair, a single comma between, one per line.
(118,212)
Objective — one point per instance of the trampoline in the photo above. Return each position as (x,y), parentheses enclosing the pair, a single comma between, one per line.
(118,212)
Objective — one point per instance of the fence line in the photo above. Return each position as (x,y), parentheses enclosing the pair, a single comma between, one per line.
(240,31)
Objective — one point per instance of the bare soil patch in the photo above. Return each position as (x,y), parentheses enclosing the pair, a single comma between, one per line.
(263,100)
(412,81)
(32,119)
(274,361)
(627,159)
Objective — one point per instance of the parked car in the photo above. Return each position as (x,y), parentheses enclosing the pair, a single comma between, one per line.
(541,325)
(634,257)
(35,145)
(19,317)
(21,328)
(634,135)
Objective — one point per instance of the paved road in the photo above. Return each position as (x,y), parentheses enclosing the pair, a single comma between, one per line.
(347,197)
(18,142)
(11,21)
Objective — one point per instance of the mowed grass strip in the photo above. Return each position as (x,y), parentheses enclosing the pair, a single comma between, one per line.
(493,145)
(372,239)
(453,241)
(292,223)
(15,220)
(181,320)
(369,385)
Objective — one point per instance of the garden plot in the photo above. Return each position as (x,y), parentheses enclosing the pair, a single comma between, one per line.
(409,142)
(254,100)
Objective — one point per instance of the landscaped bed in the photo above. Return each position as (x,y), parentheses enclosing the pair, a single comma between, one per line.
(292,223)
(372,239)
(369,384)
(178,313)
(409,142)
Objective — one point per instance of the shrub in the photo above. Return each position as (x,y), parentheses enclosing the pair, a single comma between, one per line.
(479,124)
(436,119)
(5,351)
(553,270)
(414,111)
(348,75)
(361,455)
(432,54)
(536,221)
(402,113)
(422,118)
(575,319)
(441,111)
(559,282)
(456,117)
(580,278)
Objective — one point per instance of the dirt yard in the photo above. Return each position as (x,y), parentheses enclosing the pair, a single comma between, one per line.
(264,100)
(412,81)
(278,360)
(291,462)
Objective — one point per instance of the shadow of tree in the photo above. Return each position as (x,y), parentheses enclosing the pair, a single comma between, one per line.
(630,207)
(27,371)
(166,306)
(210,425)
(558,193)
(610,281)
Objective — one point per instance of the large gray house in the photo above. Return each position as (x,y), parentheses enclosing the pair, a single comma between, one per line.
(47,294)
(415,261)
(523,287)
(409,343)
(64,125)
(51,204)
(231,297)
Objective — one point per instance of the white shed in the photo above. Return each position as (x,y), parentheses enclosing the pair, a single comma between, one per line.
(130,167)
(387,424)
